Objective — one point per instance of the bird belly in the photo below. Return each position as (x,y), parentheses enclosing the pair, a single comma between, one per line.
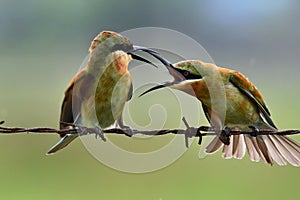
(110,100)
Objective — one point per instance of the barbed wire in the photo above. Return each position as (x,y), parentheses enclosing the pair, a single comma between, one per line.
(189,132)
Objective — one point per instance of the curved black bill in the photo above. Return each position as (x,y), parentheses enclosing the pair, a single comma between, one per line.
(140,48)
(139,58)
(153,53)
(172,70)
(157,87)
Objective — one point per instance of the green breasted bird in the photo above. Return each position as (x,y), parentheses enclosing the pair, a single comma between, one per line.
(245,109)
(97,94)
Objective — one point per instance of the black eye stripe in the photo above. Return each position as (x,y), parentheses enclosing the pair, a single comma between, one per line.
(187,75)
(192,76)
(124,47)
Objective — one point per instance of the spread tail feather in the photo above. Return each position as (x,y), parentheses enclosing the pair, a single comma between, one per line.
(214,146)
(269,148)
(62,143)
(288,151)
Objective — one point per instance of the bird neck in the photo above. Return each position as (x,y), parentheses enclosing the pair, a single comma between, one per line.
(115,63)
(196,88)
(120,61)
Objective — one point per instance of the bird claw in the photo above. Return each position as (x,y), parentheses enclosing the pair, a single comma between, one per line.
(227,131)
(99,133)
(225,135)
(255,131)
(128,131)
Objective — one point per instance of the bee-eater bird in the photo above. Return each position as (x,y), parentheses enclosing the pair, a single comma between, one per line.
(102,87)
(245,109)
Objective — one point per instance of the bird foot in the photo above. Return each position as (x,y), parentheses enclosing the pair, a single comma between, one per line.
(128,131)
(255,131)
(225,135)
(227,131)
(99,133)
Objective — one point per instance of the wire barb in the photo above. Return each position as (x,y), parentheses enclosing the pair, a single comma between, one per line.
(189,132)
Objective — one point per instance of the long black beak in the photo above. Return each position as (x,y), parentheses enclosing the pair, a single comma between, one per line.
(172,70)
(155,54)
(157,87)
(140,48)
(139,58)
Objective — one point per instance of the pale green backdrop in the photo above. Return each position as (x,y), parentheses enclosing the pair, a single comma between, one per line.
(42,43)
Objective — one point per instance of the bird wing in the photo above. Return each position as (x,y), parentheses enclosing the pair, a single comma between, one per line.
(130,92)
(248,89)
(76,92)
(206,112)
(74,95)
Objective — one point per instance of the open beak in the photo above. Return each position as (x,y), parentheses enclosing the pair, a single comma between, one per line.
(139,58)
(153,53)
(178,77)
(172,70)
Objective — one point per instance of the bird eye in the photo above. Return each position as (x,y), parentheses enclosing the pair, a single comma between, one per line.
(186,73)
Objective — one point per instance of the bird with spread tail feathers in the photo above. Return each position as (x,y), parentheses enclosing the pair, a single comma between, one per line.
(245,109)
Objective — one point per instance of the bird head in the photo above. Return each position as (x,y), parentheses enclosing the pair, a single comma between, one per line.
(184,73)
(110,41)
(109,45)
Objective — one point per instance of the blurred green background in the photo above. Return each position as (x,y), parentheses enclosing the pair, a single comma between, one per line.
(42,44)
